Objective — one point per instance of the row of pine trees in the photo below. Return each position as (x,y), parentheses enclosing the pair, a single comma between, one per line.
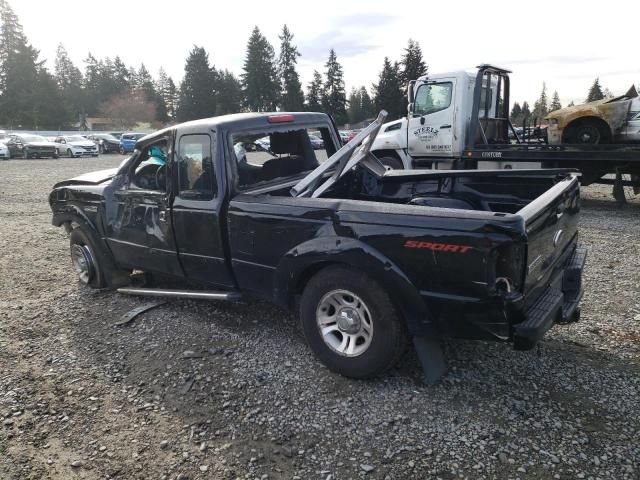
(33,97)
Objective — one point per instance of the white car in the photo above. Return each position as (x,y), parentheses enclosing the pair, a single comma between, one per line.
(75,146)
(4,151)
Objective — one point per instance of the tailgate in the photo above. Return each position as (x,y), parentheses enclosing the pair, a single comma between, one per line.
(551,222)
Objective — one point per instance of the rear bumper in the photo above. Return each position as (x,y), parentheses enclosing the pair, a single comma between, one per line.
(558,303)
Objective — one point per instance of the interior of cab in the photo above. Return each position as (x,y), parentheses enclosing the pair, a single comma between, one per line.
(265,156)
(149,170)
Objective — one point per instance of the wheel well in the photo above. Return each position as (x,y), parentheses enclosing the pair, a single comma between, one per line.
(386,153)
(602,125)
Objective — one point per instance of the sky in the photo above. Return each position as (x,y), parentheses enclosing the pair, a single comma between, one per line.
(563,43)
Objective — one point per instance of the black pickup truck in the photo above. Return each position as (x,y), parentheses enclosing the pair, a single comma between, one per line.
(242,205)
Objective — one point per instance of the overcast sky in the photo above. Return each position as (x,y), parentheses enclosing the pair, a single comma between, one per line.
(567,44)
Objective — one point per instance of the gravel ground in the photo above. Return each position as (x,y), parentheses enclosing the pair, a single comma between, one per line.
(201,390)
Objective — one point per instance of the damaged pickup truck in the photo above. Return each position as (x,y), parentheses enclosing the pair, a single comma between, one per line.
(370,258)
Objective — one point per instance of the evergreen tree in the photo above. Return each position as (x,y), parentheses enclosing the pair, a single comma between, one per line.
(526,111)
(260,79)
(230,97)
(360,105)
(366,104)
(291,88)
(354,111)
(571,104)
(413,65)
(595,92)
(388,92)
(197,90)
(19,72)
(69,80)
(516,113)
(121,75)
(314,93)
(334,98)
(49,110)
(555,102)
(540,106)
(172,100)
(162,89)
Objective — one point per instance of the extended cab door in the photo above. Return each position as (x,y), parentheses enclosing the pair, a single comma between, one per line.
(431,123)
(197,211)
(141,235)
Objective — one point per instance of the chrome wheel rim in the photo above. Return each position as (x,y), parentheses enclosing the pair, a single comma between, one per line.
(345,323)
(83,262)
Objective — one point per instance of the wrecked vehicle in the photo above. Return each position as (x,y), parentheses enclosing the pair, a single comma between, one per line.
(368,257)
(610,120)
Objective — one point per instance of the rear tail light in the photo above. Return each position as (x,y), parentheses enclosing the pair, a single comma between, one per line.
(280,118)
(509,268)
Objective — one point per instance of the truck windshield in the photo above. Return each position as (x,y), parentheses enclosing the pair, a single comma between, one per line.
(432,98)
(263,156)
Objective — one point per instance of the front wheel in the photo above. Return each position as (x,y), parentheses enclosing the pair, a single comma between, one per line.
(585,134)
(350,323)
(69,153)
(84,258)
(122,152)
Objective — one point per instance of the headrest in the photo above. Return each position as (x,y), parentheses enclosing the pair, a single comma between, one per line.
(286,143)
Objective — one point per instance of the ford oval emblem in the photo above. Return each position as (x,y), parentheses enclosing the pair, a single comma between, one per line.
(557,237)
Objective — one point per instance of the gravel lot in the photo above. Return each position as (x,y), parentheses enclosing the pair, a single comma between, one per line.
(202,390)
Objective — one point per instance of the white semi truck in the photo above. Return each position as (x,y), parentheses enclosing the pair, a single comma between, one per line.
(461,120)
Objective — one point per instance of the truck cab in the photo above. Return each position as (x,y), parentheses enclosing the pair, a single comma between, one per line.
(438,126)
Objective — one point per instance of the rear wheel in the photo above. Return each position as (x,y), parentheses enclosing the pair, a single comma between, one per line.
(69,153)
(101,148)
(25,154)
(122,152)
(350,323)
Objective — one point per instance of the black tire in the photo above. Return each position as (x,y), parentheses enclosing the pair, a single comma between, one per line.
(587,133)
(101,148)
(122,152)
(96,277)
(55,155)
(69,153)
(388,341)
(25,154)
(392,162)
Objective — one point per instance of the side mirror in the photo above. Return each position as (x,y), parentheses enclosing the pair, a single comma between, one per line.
(410,88)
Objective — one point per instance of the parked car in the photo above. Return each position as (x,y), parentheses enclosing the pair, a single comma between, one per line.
(128,142)
(316,142)
(352,134)
(76,146)
(369,257)
(344,135)
(4,151)
(30,146)
(106,142)
(116,134)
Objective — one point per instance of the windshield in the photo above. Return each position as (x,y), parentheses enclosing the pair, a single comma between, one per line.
(75,138)
(33,138)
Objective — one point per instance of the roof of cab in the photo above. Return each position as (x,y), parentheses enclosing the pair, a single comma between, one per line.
(242,120)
